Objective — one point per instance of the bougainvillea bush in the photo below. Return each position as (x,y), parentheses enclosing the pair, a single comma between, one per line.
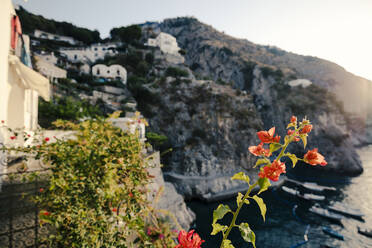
(270,169)
(96,194)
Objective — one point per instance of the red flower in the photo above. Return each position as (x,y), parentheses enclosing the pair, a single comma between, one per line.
(2,121)
(115,210)
(276,139)
(267,136)
(259,150)
(28,135)
(293,119)
(45,213)
(189,240)
(46,139)
(306,129)
(130,194)
(313,157)
(13,137)
(273,171)
(290,132)
(41,190)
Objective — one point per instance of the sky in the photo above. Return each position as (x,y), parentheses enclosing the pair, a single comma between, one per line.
(336,30)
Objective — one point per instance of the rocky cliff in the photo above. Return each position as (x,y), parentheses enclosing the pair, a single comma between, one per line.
(222,57)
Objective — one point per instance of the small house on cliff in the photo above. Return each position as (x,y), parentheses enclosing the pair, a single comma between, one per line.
(112,72)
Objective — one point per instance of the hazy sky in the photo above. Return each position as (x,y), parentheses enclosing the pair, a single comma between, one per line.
(336,30)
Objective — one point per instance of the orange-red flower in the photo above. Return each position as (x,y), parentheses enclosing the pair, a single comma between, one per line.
(259,150)
(306,129)
(45,213)
(46,139)
(293,119)
(313,157)
(13,137)
(268,136)
(41,190)
(189,240)
(273,171)
(290,132)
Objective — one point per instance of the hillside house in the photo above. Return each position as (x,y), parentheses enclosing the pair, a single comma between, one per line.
(166,42)
(300,82)
(112,72)
(49,57)
(168,46)
(49,70)
(89,54)
(49,36)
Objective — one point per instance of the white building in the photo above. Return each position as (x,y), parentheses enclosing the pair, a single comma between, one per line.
(133,125)
(168,45)
(300,82)
(49,70)
(110,72)
(20,86)
(89,54)
(49,36)
(49,57)
(166,42)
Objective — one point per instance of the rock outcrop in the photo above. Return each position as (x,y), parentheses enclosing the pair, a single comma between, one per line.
(217,55)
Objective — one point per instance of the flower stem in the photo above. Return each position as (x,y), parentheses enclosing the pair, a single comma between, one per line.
(236,213)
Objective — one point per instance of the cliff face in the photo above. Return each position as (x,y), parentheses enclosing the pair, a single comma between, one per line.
(212,53)
(211,126)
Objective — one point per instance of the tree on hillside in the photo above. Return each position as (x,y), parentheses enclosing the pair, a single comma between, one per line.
(129,34)
(30,22)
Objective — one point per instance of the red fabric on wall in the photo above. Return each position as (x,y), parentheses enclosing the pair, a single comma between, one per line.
(16,30)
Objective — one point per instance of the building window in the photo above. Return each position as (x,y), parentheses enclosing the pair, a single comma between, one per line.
(75,56)
(95,49)
(118,72)
(108,72)
(96,54)
(98,72)
(103,49)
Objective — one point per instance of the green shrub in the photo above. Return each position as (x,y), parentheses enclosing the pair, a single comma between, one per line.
(149,57)
(176,72)
(129,34)
(66,108)
(96,195)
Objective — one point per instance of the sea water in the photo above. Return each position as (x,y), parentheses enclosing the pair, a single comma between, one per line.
(285,226)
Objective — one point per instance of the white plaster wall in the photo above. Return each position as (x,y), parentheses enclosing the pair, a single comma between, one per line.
(51,58)
(167,43)
(89,54)
(113,71)
(85,69)
(49,70)
(50,36)
(300,82)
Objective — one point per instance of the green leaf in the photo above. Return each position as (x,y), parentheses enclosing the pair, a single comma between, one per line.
(291,125)
(241,176)
(261,204)
(239,198)
(264,184)
(304,139)
(274,147)
(247,233)
(293,158)
(261,161)
(218,228)
(220,212)
(227,244)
